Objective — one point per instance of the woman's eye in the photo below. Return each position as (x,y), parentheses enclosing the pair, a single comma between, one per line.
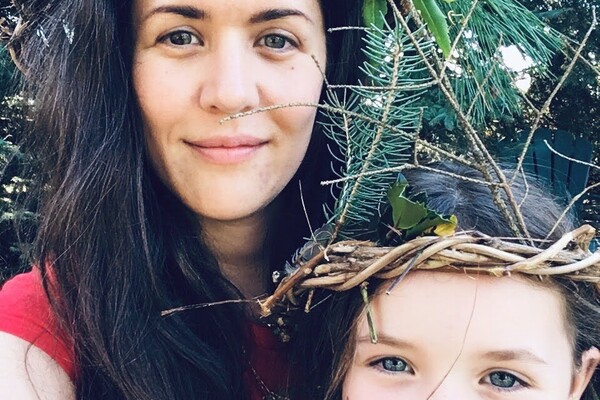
(393,364)
(277,42)
(504,380)
(181,38)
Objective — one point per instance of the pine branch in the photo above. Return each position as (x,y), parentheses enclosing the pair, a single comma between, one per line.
(373,150)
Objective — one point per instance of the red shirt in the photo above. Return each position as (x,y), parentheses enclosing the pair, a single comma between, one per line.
(25,312)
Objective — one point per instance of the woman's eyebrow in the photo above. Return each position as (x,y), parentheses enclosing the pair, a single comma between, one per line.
(197,13)
(278,13)
(184,11)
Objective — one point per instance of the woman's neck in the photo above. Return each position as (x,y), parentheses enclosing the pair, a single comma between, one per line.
(242,250)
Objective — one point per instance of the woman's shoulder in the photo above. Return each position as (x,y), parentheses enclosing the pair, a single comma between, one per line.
(25,313)
(28,373)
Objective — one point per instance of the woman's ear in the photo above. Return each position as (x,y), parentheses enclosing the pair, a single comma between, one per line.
(589,361)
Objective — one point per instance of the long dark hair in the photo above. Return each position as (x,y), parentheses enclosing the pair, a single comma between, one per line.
(116,247)
(325,347)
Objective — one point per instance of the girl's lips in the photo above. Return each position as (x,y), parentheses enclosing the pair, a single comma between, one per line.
(228,150)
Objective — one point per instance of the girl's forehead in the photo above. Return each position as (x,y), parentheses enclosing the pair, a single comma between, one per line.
(484,312)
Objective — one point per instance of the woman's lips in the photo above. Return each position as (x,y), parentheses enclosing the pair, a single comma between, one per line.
(228,149)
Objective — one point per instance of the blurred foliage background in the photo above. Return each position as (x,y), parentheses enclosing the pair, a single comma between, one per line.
(576,109)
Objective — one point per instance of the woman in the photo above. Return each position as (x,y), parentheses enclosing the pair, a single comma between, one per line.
(150,201)
(454,334)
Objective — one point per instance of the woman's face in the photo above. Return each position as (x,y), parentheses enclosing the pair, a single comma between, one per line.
(199,61)
(455,336)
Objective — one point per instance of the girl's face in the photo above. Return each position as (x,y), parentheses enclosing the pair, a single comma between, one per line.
(455,336)
(199,61)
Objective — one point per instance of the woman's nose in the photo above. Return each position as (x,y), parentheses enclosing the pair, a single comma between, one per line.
(230,85)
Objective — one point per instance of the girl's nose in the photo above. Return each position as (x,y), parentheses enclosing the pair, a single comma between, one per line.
(452,388)
(230,86)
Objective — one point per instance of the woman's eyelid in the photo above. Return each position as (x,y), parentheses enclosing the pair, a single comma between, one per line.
(163,38)
(289,37)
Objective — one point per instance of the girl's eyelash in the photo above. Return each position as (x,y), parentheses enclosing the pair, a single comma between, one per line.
(504,378)
(392,365)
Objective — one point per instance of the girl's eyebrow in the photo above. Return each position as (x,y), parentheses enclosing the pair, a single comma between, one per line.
(192,12)
(511,355)
(388,340)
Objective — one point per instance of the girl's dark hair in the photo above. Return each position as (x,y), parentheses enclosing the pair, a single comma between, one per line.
(114,245)
(325,338)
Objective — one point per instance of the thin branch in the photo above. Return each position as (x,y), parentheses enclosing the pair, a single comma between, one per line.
(310,228)
(171,311)
(546,107)
(570,158)
(574,200)
(352,114)
(321,70)
(483,83)
(459,35)
(408,167)
(410,87)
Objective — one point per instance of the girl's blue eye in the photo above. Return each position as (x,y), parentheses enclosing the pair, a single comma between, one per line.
(504,380)
(277,42)
(393,364)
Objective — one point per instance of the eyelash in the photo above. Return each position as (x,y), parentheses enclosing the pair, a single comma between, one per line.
(519,383)
(165,38)
(286,38)
(288,41)
(379,365)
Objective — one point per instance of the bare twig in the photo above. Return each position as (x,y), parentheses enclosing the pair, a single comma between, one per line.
(480,86)
(574,200)
(169,312)
(460,34)
(546,106)
(552,149)
(409,166)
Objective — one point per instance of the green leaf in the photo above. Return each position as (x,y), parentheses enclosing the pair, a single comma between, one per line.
(374,12)
(405,212)
(436,23)
(413,217)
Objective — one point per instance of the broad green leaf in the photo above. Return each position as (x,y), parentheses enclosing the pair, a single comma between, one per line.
(412,215)
(406,213)
(436,23)
(374,12)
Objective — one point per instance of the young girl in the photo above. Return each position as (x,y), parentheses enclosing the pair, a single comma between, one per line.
(151,201)
(456,334)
